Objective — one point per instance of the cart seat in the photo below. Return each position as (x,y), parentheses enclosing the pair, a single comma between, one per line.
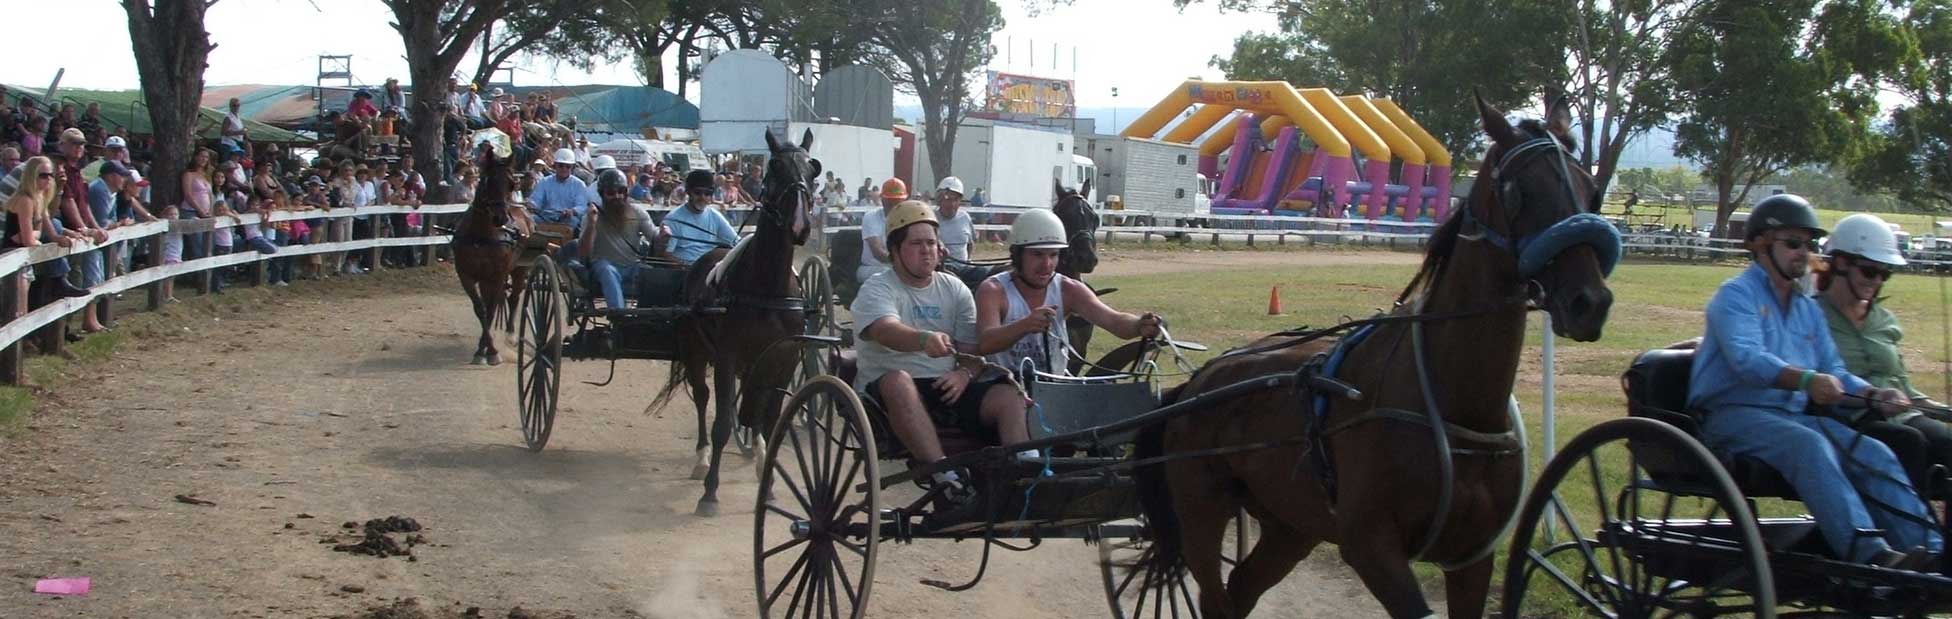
(1657,388)
(843,364)
(1068,404)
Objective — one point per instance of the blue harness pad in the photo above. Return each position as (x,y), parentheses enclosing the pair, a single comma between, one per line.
(1582,229)
(1334,365)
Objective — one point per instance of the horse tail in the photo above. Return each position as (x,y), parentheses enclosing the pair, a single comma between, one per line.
(1163,555)
(680,369)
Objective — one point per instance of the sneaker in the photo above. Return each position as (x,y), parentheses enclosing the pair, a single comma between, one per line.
(956,505)
(1915,561)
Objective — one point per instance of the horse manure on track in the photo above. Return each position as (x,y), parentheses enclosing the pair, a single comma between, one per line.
(377,538)
(412,608)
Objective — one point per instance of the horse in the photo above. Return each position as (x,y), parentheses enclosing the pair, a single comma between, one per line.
(1373,483)
(745,301)
(484,254)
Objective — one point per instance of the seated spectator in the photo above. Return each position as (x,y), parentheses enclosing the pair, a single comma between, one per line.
(9,158)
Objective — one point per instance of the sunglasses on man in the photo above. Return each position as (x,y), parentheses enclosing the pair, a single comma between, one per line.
(1795,243)
(1878,273)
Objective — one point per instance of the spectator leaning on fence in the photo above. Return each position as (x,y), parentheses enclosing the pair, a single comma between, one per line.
(101,204)
(28,191)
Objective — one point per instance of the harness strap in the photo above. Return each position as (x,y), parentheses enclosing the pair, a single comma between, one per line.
(1500,444)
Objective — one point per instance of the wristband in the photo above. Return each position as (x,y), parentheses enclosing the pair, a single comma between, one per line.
(921,341)
(1803,384)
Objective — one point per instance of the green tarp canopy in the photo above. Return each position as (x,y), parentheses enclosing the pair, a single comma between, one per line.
(124,108)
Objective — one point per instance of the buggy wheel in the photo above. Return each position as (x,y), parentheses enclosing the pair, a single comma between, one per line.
(817,524)
(1135,591)
(817,290)
(539,352)
(1683,545)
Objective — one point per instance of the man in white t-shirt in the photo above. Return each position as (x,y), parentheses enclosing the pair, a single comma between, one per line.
(874,226)
(232,137)
(957,229)
(914,322)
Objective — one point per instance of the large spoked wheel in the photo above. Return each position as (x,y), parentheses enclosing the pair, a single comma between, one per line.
(1135,591)
(539,351)
(817,524)
(817,288)
(1638,549)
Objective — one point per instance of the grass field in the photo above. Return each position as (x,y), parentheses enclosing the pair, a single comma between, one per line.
(1655,304)
(1918,224)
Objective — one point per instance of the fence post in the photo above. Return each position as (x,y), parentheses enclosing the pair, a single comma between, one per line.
(426,230)
(11,300)
(156,262)
(382,228)
(208,241)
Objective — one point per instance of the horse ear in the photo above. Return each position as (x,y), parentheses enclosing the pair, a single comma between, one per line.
(1493,120)
(1057,187)
(806,141)
(815,173)
(1086,191)
(1558,114)
(772,143)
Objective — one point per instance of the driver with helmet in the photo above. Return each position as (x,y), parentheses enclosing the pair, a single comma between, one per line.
(560,197)
(1020,312)
(1766,363)
(697,227)
(914,320)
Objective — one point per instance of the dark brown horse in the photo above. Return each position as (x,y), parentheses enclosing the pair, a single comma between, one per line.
(1526,235)
(747,302)
(484,254)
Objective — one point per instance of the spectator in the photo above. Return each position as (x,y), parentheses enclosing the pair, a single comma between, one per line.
(101,206)
(117,150)
(232,137)
(472,109)
(32,140)
(392,98)
(361,107)
(644,190)
(129,210)
(62,122)
(866,193)
(464,192)
(545,108)
(90,123)
(9,158)
(314,230)
(29,189)
(75,213)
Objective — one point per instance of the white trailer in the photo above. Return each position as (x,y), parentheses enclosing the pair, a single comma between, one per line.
(1013,164)
(850,152)
(1159,178)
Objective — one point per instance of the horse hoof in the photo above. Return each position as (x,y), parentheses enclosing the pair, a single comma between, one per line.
(477,360)
(698,472)
(494,359)
(706,509)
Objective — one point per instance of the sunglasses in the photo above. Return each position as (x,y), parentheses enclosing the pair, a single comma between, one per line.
(1874,272)
(1793,243)
(47,175)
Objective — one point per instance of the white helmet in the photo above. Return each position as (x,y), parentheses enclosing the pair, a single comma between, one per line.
(950,184)
(605,162)
(1865,235)
(564,155)
(1038,228)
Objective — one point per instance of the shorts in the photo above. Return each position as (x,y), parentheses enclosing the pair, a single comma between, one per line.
(966,414)
(90,268)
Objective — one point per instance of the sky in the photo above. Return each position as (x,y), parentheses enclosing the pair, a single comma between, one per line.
(1142,47)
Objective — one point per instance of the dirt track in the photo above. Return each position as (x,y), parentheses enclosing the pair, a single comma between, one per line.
(364,407)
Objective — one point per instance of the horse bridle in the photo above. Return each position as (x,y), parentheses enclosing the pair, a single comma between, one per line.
(799,189)
(1533,251)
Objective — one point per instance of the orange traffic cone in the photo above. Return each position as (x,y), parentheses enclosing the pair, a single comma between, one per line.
(1274,301)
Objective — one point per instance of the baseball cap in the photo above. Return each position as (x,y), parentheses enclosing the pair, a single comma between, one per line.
(314,180)
(73,136)
(136,177)
(111,167)
(116,141)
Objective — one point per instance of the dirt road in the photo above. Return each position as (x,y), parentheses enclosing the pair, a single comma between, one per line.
(345,401)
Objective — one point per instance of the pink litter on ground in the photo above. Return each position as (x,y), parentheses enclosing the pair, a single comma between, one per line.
(62,586)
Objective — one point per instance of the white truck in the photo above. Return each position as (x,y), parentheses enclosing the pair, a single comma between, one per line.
(1159,180)
(1014,164)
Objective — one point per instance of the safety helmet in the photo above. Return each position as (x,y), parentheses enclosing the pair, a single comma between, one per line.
(894,189)
(1783,210)
(611,181)
(1038,228)
(950,184)
(604,162)
(564,155)
(1867,236)
(908,213)
(698,179)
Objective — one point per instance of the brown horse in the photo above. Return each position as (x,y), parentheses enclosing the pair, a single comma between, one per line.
(1526,236)
(484,254)
(746,302)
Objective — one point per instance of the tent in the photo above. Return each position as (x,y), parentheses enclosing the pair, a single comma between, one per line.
(125,109)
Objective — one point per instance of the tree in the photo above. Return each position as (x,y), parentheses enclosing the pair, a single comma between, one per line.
(527,25)
(1767,86)
(171,49)
(437,34)
(933,48)
(1621,73)
(1911,156)
(1425,56)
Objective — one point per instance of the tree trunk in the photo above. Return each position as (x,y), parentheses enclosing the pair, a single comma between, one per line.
(422,38)
(171,49)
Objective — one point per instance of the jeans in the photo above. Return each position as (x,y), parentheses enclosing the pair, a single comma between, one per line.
(611,277)
(1809,452)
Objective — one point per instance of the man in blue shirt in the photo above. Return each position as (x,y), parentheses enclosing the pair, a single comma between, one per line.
(698,227)
(1765,360)
(560,197)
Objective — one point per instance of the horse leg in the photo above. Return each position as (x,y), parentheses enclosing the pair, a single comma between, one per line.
(518,281)
(728,411)
(1279,549)
(475,298)
(701,395)
(1376,554)
(1465,589)
(1203,516)
(491,304)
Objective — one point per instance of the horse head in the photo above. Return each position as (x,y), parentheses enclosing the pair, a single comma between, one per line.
(495,184)
(786,197)
(1073,207)
(1537,204)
